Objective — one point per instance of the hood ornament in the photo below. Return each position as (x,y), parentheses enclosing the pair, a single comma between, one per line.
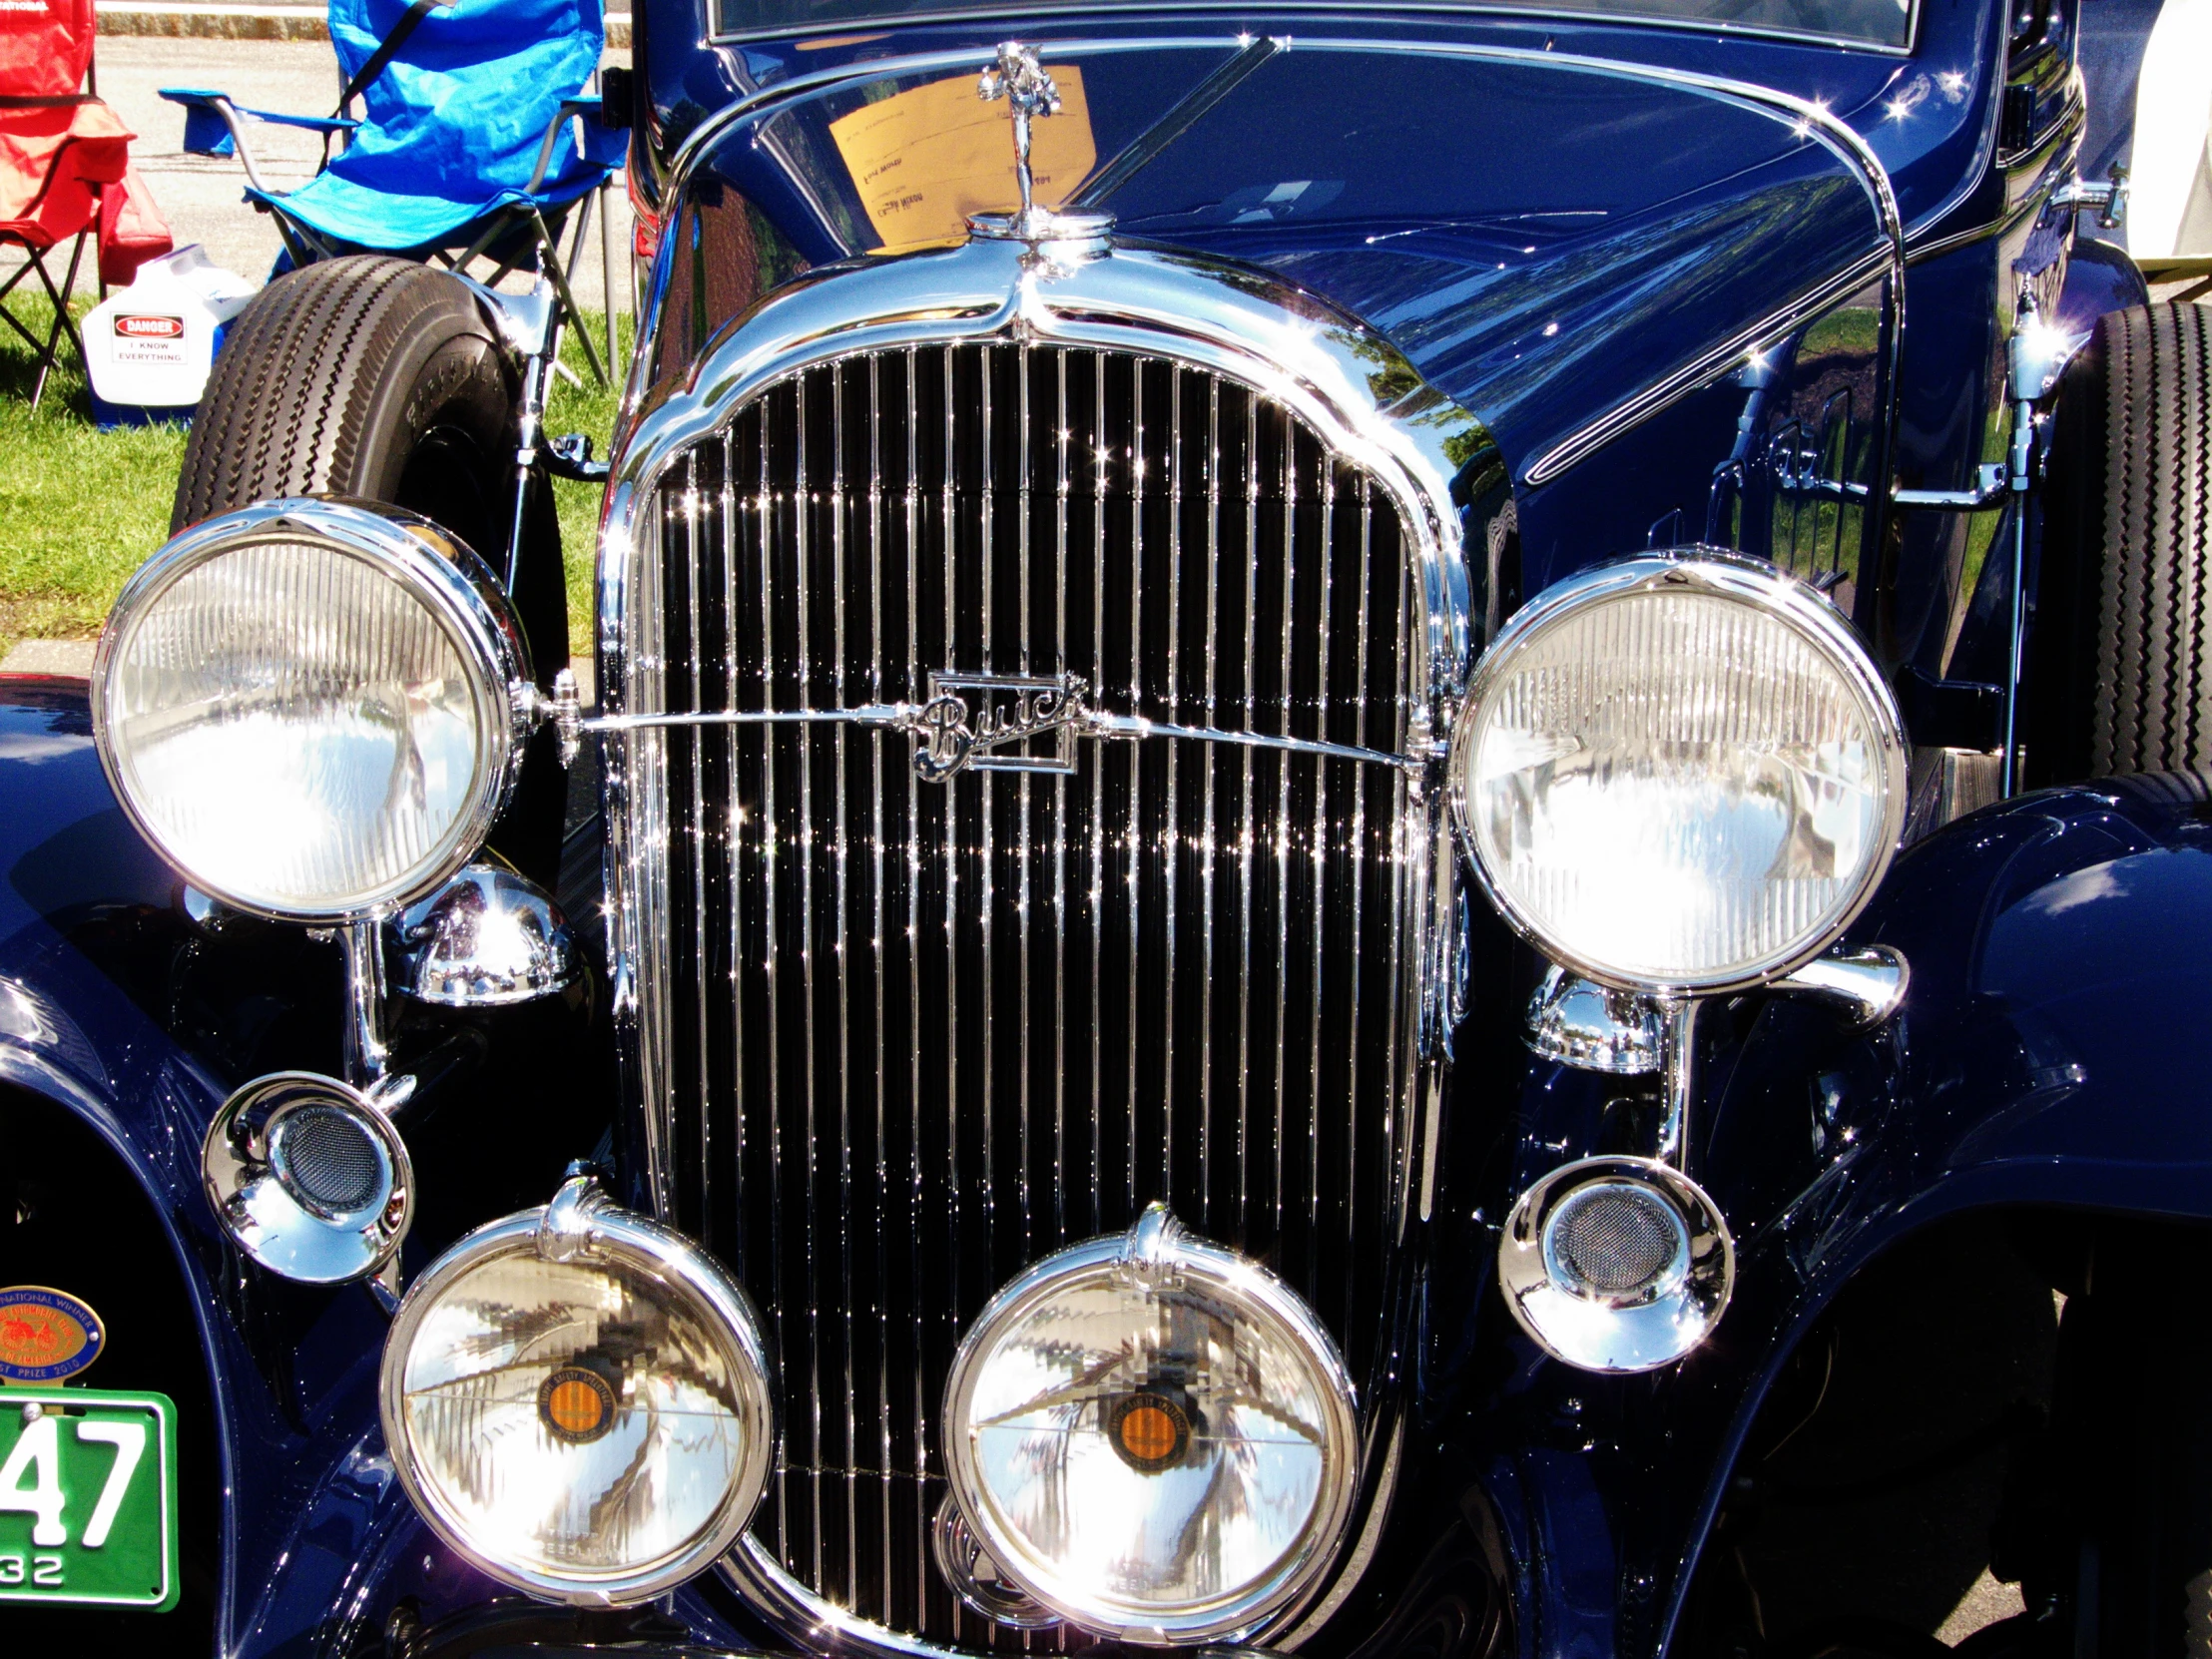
(1031,94)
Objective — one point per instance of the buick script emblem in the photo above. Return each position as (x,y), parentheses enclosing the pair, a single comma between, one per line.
(987,721)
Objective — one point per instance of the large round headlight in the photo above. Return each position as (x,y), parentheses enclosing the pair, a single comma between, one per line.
(1679,773)
(305,705)
(577,1400)
(1152,1438)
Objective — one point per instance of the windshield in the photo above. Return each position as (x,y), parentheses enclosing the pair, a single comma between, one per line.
(1871,22)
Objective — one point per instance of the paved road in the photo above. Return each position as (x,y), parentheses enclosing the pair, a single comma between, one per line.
(203,198)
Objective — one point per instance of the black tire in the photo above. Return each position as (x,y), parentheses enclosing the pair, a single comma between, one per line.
(381,378)
(2121,676)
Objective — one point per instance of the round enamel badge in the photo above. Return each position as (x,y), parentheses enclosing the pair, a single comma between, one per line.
(46,1336)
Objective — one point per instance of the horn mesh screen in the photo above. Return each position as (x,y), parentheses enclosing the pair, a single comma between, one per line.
(328,1159)
(1615,1240)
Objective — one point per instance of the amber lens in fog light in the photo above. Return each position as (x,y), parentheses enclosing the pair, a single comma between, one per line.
(577,1400)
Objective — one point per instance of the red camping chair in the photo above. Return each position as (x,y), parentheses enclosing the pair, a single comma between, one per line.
(65,166)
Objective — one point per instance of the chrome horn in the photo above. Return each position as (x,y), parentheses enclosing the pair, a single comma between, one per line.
(1623,1264)
(309,1176)
(1616,1263)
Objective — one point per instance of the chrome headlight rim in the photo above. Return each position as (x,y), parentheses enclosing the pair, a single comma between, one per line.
(434,568)
(1730,575)
(661,1250)
(1226,1617)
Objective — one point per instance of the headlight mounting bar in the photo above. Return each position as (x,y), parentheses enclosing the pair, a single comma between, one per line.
(957,730)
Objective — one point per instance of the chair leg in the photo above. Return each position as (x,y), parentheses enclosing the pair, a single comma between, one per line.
(22,271)
(303,252)
(552,254)
(491,233)
(607,269)
(62,324)
(12,321)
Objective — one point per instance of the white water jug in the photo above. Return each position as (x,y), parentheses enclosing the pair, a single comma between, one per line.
(148,347)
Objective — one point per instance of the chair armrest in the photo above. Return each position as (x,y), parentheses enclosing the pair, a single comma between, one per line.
(313,123)
(207,130)
(213,126)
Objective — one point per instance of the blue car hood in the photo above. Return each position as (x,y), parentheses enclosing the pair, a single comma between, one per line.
(1545,236)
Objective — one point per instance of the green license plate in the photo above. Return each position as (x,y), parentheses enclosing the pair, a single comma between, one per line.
(88,1497)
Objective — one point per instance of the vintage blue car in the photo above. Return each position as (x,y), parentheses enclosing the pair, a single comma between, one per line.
(1392,844)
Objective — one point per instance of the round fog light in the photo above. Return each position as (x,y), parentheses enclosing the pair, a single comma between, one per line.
(1616,1263)
(576,1399)
(1152,1438)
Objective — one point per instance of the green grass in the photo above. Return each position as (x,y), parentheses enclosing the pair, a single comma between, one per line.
(586,407)
(80,509)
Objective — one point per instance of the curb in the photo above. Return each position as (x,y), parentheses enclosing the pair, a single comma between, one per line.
(187,19)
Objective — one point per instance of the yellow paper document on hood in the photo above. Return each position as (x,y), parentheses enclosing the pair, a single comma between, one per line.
(925,159)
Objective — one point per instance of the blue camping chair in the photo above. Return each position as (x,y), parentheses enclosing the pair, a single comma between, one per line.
(476,137)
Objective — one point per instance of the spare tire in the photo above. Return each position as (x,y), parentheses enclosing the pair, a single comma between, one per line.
(381,378)
(2120,673)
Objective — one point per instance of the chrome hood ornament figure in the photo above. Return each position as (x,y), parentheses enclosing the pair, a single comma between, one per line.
(1031,94)
(1029,91)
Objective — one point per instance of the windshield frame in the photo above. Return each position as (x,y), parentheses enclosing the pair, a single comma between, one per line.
(1426,9)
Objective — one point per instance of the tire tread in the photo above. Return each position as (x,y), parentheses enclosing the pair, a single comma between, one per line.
(2152,679)
(287,410)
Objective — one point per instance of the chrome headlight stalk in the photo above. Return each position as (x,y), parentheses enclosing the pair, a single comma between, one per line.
(576,1399)
(1160,1403)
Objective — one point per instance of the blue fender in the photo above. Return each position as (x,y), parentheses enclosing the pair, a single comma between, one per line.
(2046,1054)
(319,1540)
(309,1492)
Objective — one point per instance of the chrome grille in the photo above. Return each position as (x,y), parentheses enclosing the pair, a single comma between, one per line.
(905,1037)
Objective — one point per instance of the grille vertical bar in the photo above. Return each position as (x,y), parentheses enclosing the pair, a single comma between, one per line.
(922,1033)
